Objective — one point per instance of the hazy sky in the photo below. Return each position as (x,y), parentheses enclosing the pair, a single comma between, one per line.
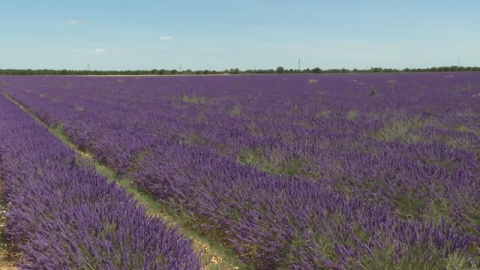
(145,34)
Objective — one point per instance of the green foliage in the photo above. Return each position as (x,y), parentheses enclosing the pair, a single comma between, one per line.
(58,131)
(251,157)
(439,209)
(463,128)
(193,99)
(459,143)
(408,205)
(352,115)
(291,167)
(401,129)
(414,259)
(323,113)
(459,262)
(194,139)
(275,163)
(234,71)
(236,111)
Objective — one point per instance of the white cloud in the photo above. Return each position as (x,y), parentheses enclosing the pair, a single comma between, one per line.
(75,22)
(165,38)
(100,50)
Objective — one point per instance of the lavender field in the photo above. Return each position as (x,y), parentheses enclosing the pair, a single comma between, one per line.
(364,171)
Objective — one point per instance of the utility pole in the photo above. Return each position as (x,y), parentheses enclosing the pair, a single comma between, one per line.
(299,69)
(458,62)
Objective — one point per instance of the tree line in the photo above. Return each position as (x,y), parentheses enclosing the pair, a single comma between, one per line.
(278,70)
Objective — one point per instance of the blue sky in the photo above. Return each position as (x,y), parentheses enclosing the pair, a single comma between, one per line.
(209,34)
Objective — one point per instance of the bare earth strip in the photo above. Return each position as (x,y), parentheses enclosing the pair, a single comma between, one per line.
(9,256)
(214,256)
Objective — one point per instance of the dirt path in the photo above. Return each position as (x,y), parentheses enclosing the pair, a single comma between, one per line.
(9,255)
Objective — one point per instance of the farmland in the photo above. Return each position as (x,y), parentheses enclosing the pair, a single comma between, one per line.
(377,171)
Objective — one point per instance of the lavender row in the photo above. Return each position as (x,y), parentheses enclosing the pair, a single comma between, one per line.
(405,146)
(413,146)
(63,215)
(290,223)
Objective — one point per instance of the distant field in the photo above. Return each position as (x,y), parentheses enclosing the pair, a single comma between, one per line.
(377,171)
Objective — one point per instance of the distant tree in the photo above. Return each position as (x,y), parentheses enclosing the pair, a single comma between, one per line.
(316,70)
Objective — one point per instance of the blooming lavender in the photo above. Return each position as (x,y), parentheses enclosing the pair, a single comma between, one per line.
(299,172)
(64,215)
